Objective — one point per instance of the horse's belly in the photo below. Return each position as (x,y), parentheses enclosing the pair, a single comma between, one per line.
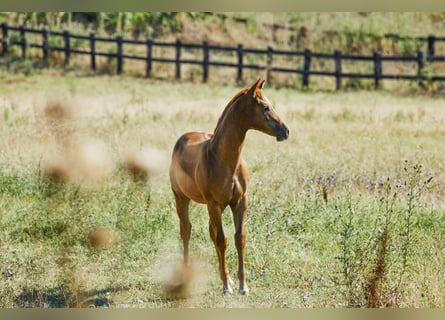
(188,187)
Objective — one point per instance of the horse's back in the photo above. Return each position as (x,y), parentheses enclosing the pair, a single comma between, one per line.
(190,139)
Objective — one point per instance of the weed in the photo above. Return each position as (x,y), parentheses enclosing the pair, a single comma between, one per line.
(414,184)
(377,273)
(364,257)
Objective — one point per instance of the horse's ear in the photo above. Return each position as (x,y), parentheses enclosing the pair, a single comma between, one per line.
(258,85)
(262,84)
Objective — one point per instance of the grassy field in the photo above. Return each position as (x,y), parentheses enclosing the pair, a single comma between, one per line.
(348,212)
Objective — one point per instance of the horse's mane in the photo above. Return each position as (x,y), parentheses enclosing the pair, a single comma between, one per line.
(226,109)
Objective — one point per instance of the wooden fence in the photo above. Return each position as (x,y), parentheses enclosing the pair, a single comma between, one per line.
(270,54)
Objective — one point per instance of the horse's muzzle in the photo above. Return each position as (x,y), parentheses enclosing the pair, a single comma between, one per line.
(282,133)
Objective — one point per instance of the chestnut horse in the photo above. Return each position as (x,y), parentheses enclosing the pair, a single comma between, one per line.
(208,168)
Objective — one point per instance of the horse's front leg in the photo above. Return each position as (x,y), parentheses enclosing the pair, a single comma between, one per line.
(220,242)
(239,211)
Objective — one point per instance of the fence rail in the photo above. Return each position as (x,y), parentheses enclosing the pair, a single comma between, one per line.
(305,69)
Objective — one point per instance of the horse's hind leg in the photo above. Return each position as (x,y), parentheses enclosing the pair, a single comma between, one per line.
(182,209)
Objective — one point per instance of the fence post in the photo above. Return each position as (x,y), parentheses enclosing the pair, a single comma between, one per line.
(45,43)
(93,51)
(431,40)
(149,58)
(178,59)
(269,64)
(377,69)
(240,63)
(420,65)
(337,56)
(4,38)
(307,67)
(66,39)
(205,62)
(119,54)
(23,41)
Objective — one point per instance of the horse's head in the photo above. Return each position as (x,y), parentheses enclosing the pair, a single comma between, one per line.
(261,114)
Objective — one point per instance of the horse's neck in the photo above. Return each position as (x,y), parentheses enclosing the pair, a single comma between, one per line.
(228,139)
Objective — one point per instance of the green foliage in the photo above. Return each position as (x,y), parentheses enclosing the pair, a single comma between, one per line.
(359,41)
(27,67)
(113,22)
(199,15)
(51,19)
(410,47)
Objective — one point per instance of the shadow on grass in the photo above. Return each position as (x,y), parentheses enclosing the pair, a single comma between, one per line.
(55,298)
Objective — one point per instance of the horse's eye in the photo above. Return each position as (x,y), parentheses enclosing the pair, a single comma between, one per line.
(266,108)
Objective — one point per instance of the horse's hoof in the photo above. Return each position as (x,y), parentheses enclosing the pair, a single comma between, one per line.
(244,291)
(227,290)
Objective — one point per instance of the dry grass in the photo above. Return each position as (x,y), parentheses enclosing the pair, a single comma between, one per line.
(120,239)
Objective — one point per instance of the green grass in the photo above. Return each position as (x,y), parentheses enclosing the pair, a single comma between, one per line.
(347,212)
